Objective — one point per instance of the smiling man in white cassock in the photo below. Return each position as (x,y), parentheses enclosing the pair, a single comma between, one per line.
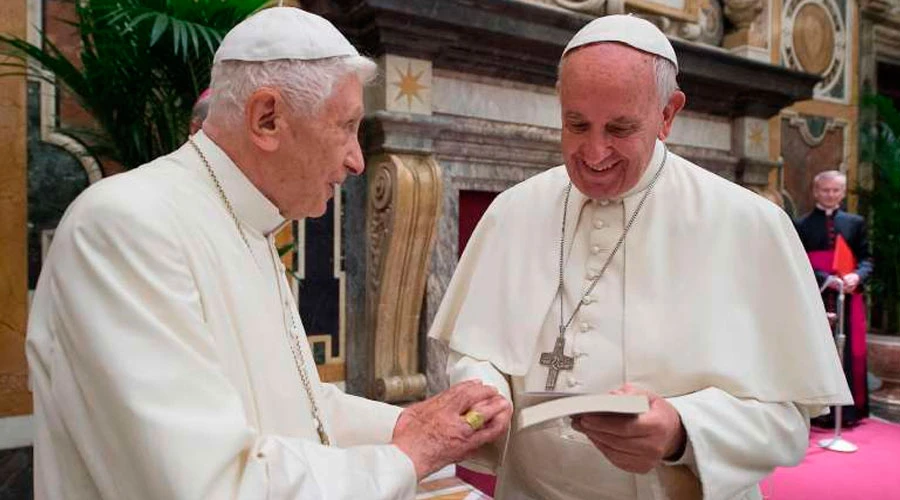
(167,357)
(656,277)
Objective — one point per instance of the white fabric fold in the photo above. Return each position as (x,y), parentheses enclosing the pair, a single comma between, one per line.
(160,362)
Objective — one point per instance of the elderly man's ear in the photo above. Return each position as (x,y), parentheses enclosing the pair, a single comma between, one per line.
(265,113)
(676,103)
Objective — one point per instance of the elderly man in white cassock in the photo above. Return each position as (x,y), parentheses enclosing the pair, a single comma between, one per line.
(654,276)
(167,358)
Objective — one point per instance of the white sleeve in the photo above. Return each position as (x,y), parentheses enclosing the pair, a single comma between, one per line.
(136,382)
(489,457)
(346,411)
(734,443)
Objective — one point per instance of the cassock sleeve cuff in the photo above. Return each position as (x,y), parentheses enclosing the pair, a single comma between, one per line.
(687,458)
(489,457)
(461,368)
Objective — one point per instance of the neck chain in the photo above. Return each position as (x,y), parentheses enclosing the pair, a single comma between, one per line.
(563,323)
(293,335)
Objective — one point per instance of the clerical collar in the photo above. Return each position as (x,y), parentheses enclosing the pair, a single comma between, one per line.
(250,205)
(653,165)
(828,211)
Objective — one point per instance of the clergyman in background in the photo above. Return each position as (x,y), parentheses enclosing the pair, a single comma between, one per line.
(838,249)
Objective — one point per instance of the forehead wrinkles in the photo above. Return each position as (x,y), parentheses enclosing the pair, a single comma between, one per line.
(611,67)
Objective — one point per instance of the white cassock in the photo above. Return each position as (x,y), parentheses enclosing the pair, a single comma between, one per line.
(160,357)
(710,303)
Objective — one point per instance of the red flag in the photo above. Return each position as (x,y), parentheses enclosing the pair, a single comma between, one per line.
(844,263)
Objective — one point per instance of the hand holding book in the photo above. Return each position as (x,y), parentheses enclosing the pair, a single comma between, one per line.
(636,442)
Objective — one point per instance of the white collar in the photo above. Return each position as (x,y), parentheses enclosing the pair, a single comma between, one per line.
(828,211)
(250,206)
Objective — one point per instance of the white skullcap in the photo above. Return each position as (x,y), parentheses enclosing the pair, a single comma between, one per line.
(630,30)
(283,33)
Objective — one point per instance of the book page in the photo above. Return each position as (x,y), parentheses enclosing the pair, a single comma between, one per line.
(542,407)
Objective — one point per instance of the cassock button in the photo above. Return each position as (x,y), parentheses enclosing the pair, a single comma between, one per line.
(598,224)
(603,203)
(585,326)
(595,249)
(571,382)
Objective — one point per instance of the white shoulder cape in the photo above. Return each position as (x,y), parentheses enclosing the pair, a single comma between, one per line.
(718,290)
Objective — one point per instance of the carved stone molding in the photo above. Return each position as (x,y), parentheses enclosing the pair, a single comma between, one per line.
(404,205)
(882,17)
(594,7)
(708,29)
(742,13)
(815,39)
(814,129)
(591,7)
(522,41)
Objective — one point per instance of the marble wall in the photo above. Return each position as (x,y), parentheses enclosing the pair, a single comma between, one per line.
(809,145)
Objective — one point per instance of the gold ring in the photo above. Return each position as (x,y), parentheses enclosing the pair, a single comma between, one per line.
(474,419)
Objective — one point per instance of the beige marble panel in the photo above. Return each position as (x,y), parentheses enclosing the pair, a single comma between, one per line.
(702,131)
(751,138)
(494,102)
(408,84)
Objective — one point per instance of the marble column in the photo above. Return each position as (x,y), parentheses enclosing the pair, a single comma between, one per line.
(15,400)
(393,211)
(14,396)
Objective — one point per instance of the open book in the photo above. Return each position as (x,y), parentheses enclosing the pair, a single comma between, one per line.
(546,406)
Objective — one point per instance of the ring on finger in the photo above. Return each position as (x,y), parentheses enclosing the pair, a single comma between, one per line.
(474,419)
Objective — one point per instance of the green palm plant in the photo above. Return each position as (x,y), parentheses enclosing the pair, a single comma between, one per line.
(880,144)
(143,64)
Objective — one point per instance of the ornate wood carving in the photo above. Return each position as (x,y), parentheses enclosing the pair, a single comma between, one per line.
(403,209)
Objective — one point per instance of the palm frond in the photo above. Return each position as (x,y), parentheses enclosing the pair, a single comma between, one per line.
(142,65)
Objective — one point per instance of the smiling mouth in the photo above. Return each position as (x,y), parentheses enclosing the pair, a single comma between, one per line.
(599,168)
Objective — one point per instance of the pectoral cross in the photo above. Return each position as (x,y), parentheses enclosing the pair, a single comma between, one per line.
(556,360)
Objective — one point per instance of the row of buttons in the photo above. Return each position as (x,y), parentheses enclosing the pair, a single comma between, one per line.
(585,327)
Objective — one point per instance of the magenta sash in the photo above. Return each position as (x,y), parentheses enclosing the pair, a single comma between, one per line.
(822,260)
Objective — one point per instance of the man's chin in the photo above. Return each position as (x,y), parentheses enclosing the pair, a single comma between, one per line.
(603,191)
(306,212)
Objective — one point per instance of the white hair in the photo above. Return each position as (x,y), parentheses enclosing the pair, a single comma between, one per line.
(666,78)
(306,85)
(829,175)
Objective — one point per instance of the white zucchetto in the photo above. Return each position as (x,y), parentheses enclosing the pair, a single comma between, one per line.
(630,30)
(283,33)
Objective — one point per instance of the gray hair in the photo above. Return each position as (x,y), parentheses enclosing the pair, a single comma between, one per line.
(306,85)
(666,78)
(830,175)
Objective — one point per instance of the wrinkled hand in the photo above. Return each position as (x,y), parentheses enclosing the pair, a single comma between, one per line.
(433,433)
(851,281)
(636,443)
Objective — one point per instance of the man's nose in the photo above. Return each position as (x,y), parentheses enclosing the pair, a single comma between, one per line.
(355,162)
(597,148)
